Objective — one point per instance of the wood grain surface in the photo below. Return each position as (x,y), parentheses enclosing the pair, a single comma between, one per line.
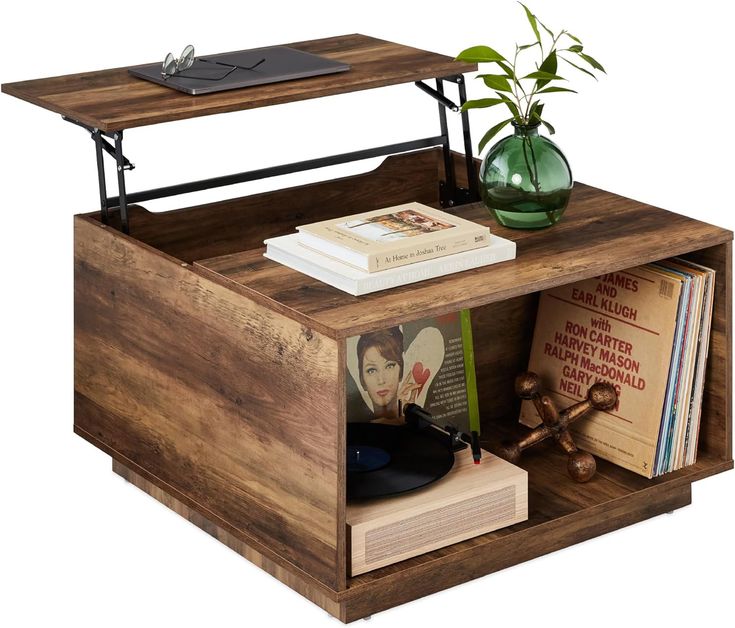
(561,513)
(600,232)
(192,376)
(555,533)
(502,333)
(299,582)
(113,100)
(552,495)
(231,404)
(715,434)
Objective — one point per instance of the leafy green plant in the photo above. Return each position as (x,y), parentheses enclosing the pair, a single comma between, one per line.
(520,94)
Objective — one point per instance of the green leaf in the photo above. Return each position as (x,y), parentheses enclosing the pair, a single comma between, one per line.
(527,46)
(545,76)
(482,103)
(549,66)
(572,37)
(532,21)
(592,62)
(496,81)
(480,54)
(507,69)
(555,89)
(548,126)
(534,113)
(581,69)
(575,48)
(492,133)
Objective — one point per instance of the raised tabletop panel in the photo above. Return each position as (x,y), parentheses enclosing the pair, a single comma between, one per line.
(600,232)
(113,100)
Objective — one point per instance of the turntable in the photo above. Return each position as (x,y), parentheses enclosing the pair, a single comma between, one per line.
(413,488)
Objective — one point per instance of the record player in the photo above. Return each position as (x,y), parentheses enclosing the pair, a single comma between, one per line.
(413,488)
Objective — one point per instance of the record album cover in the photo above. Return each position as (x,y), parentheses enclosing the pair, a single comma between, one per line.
(645,331)
(429,362)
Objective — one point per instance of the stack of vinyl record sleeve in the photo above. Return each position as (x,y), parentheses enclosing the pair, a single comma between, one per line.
(645,330)
(678,436)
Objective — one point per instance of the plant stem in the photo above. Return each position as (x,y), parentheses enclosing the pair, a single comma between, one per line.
(517,83)
(534,91)
(536,183)
(534,179)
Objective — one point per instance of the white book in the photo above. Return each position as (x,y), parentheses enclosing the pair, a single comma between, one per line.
(393,236)
(287,251)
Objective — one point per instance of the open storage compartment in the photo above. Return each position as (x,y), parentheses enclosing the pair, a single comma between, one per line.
(204,264)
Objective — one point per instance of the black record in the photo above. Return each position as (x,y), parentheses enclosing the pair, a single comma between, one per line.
(390,459)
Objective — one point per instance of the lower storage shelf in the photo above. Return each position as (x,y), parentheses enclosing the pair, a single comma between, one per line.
(561,513)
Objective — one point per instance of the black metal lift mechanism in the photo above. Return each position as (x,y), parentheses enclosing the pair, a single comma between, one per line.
(450,194)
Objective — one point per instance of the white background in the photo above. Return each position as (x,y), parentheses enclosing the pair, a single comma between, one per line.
(80,546)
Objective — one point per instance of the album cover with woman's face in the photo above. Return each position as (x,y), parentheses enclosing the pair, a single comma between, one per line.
(428,362)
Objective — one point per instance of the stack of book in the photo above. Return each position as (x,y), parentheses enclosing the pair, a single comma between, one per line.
(388,247)
(646,331)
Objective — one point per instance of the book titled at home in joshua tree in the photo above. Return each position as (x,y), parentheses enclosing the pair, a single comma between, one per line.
(287,251)
(429,362)
(638,329)
(394,236)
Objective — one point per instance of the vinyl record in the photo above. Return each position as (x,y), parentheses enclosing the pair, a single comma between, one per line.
(390,459)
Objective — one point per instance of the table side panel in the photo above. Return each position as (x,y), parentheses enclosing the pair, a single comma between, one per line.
(299,583)
(227,401)
(715,435)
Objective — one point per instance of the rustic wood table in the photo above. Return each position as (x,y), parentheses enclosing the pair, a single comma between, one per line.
(215,378)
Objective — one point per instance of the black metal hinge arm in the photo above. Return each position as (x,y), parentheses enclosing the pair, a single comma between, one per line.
(106,146)
(450,193)
(441,98)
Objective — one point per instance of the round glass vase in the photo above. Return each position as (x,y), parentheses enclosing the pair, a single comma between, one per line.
(525,180)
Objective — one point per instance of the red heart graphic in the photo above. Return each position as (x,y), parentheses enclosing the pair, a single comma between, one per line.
(420,374)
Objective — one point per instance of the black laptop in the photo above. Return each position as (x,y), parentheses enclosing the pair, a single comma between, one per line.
(215,73)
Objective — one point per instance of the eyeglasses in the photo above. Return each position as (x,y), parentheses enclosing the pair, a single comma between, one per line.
(172,66)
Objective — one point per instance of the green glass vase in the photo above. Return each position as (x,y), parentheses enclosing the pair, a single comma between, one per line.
(525,180)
